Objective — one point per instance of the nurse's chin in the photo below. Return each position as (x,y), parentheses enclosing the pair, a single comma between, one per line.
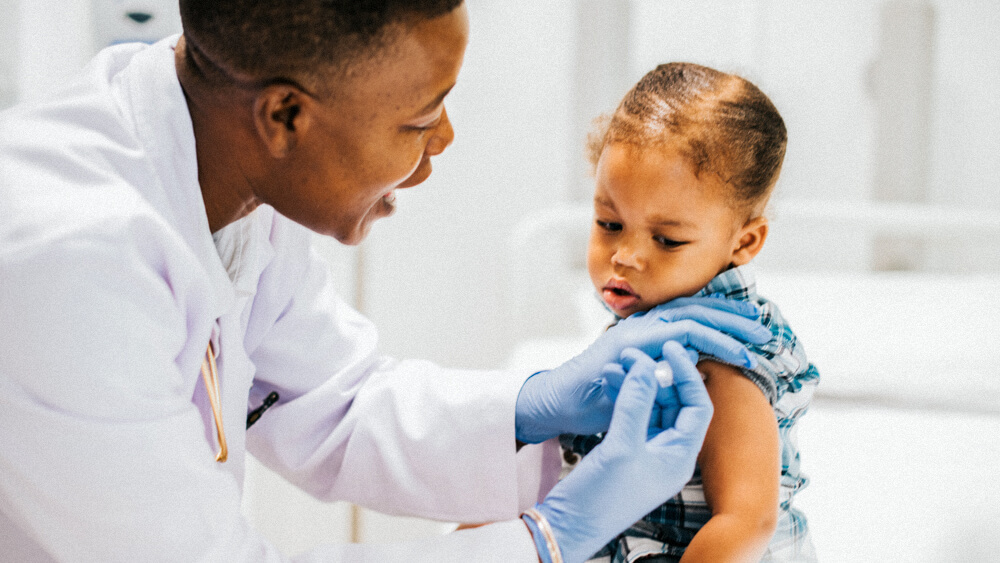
(359,233)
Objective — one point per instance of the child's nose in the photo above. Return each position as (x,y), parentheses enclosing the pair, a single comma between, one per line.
(626,257)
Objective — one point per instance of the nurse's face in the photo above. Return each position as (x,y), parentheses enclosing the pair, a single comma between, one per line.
(375,134)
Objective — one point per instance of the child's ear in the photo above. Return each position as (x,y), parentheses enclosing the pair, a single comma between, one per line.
(750,239)
(282,114)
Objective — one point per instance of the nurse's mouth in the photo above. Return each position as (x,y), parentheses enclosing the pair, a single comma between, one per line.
(389,202)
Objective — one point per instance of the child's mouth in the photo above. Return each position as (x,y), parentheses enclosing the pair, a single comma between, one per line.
(619,295)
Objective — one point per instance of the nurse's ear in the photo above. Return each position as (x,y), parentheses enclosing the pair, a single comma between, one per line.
(282,114)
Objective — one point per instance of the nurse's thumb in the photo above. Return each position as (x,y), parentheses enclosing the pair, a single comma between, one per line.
(630,418)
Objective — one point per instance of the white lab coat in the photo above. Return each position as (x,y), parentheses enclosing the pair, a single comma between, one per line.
(111,288)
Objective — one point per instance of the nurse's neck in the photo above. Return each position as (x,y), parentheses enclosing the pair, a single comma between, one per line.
(232,164)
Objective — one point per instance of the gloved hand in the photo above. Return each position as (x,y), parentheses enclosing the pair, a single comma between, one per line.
(576,398)
(634,469)
(667,403)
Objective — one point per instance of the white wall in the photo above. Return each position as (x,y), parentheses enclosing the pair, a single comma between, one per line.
(965,167)
(54,41)
(431,273)
(8,52)
(44,42)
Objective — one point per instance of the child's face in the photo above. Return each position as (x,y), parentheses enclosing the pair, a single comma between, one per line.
(659,231)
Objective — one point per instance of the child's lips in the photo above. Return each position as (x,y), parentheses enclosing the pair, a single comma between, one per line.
(619,295)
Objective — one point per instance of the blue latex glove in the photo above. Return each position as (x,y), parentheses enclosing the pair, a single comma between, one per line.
(634,469)
(577,398)
(667,403)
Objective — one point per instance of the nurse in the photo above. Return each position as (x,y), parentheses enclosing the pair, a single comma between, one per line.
(156,285)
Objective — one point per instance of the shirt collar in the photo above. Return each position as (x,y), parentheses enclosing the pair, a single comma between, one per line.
(734,283)
(245,249)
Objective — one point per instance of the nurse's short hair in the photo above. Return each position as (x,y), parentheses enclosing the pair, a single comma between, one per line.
(276,39)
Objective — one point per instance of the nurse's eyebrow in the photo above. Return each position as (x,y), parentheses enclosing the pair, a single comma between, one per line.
(436,101)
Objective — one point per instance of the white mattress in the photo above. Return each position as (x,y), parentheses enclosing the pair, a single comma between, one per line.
(892,485)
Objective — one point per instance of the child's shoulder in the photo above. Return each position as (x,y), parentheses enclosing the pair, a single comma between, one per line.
(740,283)
(771,317)
(782,364)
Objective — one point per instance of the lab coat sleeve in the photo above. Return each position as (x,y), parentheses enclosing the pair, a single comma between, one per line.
(103,455)
(401,437)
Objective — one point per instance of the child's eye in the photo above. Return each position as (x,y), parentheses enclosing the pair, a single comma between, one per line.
(668,243)
(609,226)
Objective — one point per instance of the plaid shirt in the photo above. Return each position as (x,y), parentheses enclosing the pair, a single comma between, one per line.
(788,380)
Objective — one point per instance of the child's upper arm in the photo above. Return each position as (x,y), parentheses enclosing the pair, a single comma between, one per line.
(740,460)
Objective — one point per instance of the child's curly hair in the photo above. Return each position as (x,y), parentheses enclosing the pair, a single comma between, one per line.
(724,124)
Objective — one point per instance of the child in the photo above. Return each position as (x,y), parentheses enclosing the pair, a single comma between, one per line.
(684,170)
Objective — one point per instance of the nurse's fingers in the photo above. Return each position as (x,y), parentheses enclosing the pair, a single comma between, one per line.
(630,421)
(695,405)
(614,375)
(667,402)
(696,336)
(714,301)
(736,318)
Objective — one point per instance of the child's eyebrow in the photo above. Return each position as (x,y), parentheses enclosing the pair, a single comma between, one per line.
(669,222)
(657,220)
(601,200)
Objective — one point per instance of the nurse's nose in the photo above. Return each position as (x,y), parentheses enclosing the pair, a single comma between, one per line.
(444,134)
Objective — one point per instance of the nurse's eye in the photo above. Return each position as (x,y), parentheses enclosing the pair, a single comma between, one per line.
(420,128)
(669,243)
(609,226)
(424,128)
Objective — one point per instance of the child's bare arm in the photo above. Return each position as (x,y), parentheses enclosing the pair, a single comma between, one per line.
(740,469)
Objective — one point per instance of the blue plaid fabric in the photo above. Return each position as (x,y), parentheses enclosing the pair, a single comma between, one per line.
(788,380)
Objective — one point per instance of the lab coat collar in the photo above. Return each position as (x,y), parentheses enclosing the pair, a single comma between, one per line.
(163,125)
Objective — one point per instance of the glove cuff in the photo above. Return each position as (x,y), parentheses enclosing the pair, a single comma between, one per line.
(545,540)
(525,418)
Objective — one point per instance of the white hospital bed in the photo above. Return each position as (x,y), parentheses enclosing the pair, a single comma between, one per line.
(902,443)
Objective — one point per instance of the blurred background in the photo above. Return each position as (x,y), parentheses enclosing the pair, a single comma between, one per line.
(889,194)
